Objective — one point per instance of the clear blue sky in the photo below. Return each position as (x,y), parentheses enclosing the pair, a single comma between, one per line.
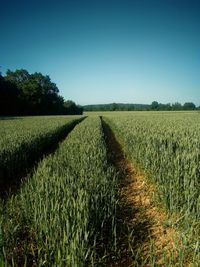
(103,51)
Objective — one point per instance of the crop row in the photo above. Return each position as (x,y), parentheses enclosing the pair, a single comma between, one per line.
(24,140)
(167,147)
(64,215)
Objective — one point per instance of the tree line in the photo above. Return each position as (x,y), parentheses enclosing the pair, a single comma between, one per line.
(22,93)
(154,106)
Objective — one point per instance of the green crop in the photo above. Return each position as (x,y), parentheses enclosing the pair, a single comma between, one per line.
(167,147)
(64,214)
(23,140)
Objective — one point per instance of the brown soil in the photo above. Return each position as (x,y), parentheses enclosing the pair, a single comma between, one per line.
(137,212)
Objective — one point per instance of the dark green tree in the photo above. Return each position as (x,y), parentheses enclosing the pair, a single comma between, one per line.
(37,94)
(9,102)
(177,106)
(71,108)
(154,105)
(189,106)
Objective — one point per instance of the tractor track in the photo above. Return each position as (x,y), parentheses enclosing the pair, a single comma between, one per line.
(140,222)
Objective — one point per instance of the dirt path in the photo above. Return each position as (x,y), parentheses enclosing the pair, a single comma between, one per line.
(143,231)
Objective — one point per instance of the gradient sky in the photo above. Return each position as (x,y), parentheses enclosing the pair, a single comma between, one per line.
(103,51)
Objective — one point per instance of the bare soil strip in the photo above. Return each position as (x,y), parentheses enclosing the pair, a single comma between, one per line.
(137,213)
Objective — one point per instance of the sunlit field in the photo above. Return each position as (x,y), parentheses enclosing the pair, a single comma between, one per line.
(82,190)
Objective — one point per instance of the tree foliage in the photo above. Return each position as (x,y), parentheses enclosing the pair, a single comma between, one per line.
(174,106)
(189,106)
(155,106)
(22,93)
(71,108)
(116,107)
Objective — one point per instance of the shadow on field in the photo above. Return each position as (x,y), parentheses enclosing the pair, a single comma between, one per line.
(132,231)
(11,118)
(10,183)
